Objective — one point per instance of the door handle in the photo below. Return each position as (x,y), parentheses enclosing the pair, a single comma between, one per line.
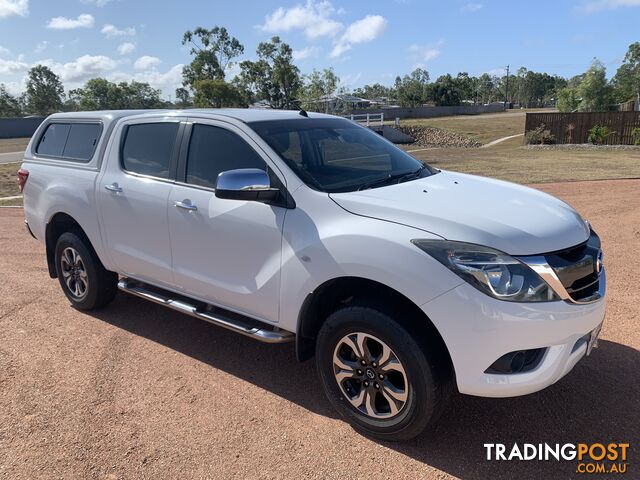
(185,206)
(114,187)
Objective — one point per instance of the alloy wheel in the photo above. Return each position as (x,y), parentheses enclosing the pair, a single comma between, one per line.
(370,375)
(74,272)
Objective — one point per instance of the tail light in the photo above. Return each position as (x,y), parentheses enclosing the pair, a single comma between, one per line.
(23,175)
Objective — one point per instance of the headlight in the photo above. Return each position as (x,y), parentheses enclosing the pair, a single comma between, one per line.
(490,271)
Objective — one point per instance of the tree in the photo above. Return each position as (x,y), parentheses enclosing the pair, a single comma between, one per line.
(44,91)
(444,91)
(317,87)
(214,51)
(412,89)
(9,105)
(596,95)
(216,94)
(101,94)
(183,98)
(487,88)
(626,81)
(568,100)
(372,92)
(273,77)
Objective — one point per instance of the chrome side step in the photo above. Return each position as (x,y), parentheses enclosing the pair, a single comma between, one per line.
(234,322)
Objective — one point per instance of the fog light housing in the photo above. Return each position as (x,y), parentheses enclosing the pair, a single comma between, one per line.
(519,361)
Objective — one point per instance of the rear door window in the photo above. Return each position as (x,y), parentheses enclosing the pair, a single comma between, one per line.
(213,150)
(70,141)
(148,148)
(54,139)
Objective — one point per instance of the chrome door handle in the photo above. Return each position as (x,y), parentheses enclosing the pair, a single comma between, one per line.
(186,206)
(114,187)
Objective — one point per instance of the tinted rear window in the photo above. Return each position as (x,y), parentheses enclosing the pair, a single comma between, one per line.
(148,148)
(70,141)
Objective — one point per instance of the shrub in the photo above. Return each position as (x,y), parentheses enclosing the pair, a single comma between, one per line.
(598,134)
(635,136)
(540,135)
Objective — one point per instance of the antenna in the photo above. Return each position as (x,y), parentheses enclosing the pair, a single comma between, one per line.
(303,113)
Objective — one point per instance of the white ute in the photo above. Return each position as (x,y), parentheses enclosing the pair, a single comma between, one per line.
(405,281)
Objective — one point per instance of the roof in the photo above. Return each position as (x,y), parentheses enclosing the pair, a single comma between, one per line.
(243,114)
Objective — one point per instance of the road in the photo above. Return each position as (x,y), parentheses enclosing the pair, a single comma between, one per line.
(11,157)
(138,391)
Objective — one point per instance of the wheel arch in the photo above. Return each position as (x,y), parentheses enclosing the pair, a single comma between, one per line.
(58,224)
(342,291)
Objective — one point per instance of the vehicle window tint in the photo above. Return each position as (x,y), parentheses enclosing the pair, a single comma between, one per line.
(53,141)
(148,147)
(213,150)
(82,140)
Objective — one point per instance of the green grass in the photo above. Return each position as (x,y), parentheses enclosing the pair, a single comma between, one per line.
(16,202)
(13,144)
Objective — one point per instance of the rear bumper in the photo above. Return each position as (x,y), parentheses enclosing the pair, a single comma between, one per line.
(478,330)
(26,224)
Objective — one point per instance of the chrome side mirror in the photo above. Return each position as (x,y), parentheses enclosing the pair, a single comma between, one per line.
(249,184)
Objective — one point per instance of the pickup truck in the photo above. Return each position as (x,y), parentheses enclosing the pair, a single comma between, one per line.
(405,282)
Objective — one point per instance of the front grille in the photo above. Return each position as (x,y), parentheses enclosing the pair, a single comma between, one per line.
(578,268)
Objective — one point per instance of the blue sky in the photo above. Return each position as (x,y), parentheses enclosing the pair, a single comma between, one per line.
(364,41)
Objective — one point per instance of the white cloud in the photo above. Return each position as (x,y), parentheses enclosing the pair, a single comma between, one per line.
(146,62)
(361,31)
(112,31)
(126,47)
(313,18)
(10,8)
(422,54)
(63,23)
(598,5)
(471,7)
(167,81)
(14,88)
(82,68)
(305,53)
(12,66)
(4,51)
(41,46)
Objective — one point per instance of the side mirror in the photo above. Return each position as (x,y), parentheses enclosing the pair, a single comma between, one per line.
(249,184)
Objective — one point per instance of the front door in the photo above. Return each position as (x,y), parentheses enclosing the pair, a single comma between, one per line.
(226,252)
(132,195)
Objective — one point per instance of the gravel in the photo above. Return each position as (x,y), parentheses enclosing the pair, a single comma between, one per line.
(436,137)
(138,391)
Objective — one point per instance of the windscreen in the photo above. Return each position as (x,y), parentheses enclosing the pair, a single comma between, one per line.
(337,155)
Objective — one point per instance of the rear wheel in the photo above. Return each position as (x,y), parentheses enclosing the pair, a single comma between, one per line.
(83,278)
(377,376)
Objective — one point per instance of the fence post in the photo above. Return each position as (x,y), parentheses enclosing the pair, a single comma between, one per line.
(368,119)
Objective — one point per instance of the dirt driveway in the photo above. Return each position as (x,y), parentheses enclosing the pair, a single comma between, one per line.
(137,391)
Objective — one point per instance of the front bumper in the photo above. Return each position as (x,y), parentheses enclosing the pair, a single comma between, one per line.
(478,330)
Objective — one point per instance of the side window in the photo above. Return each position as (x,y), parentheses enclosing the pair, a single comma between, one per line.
(213,150)
(148,147)
(82,141)
(70,141)
(53,141)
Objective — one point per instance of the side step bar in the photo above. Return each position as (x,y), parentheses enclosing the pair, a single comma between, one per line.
(234,322)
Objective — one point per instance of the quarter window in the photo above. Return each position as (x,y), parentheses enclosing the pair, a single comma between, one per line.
(148,148)
(213,150)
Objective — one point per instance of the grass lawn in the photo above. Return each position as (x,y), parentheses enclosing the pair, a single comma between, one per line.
(13,144)
(11,203)
(9,180)
(513,162)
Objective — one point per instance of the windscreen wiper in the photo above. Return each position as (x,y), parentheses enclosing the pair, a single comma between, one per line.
(397,178)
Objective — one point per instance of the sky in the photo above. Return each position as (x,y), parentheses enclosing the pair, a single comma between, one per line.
(364,41)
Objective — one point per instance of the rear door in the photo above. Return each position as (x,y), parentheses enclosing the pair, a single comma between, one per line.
(133,193)
(226,252)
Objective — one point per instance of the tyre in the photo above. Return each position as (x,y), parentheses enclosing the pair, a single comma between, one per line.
(83,278)
(377,376)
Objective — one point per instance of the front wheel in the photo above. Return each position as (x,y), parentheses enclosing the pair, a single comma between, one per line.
(377,376)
